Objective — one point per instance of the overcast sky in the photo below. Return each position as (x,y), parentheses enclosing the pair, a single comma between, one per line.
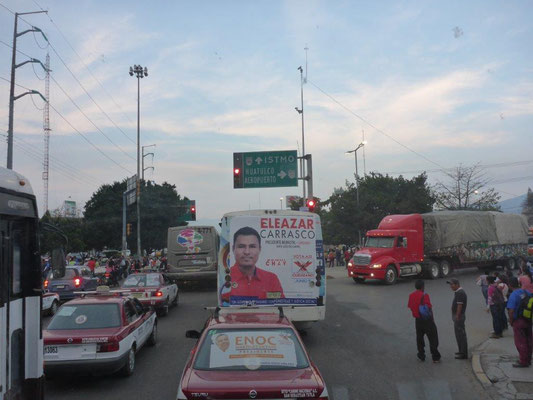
(432,84)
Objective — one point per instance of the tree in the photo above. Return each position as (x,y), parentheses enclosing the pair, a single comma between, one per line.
(466,189)
(72,228)
(161,208)
(379,195)
(527,207)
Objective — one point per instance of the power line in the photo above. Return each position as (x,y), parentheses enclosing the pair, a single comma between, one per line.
(88,141)
(86,67)
(90,120)
(376,128)
(505,164)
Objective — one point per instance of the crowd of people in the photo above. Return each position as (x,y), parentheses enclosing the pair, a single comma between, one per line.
(339,255)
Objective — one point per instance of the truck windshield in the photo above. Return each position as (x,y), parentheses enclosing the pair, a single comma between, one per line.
(379,242)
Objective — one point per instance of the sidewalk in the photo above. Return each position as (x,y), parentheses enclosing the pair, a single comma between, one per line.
(492,363)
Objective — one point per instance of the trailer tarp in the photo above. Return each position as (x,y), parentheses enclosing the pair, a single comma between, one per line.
(445,229)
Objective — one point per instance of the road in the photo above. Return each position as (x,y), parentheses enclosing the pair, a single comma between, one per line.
(365,348)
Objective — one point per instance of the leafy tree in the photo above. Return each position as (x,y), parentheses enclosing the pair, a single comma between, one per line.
(466,189)
(527,207)
(343,219)
(72,228)
(161,208)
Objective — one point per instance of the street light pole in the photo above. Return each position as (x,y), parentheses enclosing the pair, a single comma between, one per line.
(301,112)
(354,151)
(139,73)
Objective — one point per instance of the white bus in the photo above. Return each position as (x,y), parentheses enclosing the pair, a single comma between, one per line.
(192,253)
(21,343)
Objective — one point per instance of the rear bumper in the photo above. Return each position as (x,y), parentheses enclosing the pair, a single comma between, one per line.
(94,366)
(192,275)
(147,303)
(364,272)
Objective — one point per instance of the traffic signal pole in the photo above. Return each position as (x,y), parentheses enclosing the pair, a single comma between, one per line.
(124,241)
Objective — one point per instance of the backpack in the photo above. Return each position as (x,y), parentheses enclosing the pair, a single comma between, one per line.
(497,296)
(424,310)
(525,308)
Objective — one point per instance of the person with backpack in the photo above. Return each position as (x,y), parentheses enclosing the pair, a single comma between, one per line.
(420,306)
(519,308)
(496,302)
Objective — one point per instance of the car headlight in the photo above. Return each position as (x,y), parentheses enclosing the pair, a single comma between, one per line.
(376,266)
(350,264)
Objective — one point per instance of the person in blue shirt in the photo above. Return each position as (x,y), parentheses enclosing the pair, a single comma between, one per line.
(521,326)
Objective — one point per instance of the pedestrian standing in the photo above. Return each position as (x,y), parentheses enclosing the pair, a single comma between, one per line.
(459,317)
(521,326)
(331,258)
(525,279)
(482,282)
(496,304)
(424,322)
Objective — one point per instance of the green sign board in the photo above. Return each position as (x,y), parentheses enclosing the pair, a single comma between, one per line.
(260,169)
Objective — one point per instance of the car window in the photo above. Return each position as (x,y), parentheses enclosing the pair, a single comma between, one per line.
(69,274)
(250,349)
(85,316)
(129,309)
(85,272)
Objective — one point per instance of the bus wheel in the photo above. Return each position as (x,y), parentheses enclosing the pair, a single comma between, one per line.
(391,275)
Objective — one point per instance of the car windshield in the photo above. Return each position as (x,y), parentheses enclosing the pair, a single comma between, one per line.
(380,242)
(69,274)
(141,280)
(85,316)
(250,349)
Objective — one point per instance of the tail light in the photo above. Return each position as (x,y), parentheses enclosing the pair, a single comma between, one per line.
(77,282)
(46,284)
(159,293)
(107,347)
(106,274)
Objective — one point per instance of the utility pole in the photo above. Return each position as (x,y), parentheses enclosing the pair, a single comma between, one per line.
(12,96)
(354,151)
(144,155)
(139,73)
(46,117)
(301,112)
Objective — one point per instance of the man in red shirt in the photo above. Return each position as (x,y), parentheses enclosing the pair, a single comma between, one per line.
(247,280)
(424,326)
(91,264)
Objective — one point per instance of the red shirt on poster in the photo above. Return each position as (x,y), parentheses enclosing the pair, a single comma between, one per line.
(262,285)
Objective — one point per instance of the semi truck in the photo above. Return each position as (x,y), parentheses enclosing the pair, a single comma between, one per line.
(436,243)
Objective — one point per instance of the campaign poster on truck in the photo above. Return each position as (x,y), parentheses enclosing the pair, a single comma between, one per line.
(271,260)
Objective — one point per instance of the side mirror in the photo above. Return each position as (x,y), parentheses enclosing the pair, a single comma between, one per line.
(58,263)
(192,334)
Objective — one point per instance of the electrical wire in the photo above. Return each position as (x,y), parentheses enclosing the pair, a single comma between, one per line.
(88,141)
(86,67)
(35,73)
(37,43)
(91,121)
(375,127)
(35,105)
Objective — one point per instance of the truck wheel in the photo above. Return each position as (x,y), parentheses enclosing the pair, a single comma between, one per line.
(511,264)
(358,280)
(391,275)
(433,270)
(445,269)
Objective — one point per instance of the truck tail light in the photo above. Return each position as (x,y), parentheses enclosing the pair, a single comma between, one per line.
(46,284)
(107,347)
(77,282)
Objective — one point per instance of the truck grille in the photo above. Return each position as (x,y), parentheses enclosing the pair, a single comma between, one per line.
(361,259)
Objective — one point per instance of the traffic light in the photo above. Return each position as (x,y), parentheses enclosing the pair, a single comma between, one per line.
(128,229)
(237,171)
(311,203)
(192,209)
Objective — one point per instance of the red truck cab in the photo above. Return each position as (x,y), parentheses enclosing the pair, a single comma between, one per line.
(395,248)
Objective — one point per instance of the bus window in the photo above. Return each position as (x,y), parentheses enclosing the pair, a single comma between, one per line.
(17,270)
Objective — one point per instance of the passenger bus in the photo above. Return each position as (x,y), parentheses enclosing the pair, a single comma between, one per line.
(192,253)
(21,342)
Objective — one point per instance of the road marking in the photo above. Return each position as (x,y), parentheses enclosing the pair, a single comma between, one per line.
(340,393)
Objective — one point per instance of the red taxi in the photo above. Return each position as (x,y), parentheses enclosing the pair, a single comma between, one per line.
(99,333)
(152,289)
(243,355)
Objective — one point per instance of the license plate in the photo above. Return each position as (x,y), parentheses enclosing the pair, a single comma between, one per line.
(60,287)
(138,295)
(198,262)
(50,349)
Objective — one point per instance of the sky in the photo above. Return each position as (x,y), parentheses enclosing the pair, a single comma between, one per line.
(431,85)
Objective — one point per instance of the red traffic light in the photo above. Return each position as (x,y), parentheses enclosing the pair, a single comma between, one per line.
(236,171)
(311,203)
(193,209)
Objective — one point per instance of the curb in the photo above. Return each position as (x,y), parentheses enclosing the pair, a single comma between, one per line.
(477,367)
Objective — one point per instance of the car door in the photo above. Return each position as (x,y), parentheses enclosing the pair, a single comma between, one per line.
(147,322)
(172,288)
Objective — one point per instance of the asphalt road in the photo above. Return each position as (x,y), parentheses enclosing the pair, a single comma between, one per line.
(365,348)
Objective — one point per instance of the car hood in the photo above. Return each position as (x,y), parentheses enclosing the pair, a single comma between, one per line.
(238,384)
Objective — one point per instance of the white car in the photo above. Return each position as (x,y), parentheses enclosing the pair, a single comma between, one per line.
(97,334)
(153,289)
(50,303)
